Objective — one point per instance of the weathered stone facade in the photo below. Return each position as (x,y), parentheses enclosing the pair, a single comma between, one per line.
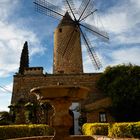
(24,83)
(34,77)
(67,47)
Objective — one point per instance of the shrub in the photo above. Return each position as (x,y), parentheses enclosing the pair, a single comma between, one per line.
(136,130)
(95,129)
(120,130)
(4,122)
(17,131)
(129,130)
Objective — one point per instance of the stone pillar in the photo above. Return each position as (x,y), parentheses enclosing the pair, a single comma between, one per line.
(61,120)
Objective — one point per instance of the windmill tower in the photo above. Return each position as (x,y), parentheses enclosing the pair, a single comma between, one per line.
(73,62)
(68,35)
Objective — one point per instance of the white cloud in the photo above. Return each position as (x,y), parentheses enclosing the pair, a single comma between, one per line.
(7,88)
(124,38)
(5,97)
(121,21)
(127,55)
(115,22)
(87,65)
(5,102)
(11,43)
(12,39)
(122,17)
(6,6)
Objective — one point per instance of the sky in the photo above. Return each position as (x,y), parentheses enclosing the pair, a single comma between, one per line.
(19,22)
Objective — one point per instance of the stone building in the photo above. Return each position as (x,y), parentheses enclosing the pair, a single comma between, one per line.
(67,70)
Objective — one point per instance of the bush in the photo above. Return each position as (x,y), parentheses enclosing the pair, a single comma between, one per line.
(5,118)
(4,122)
(129,130)
(95,129)
(17,131)
(121,84)
(136,130)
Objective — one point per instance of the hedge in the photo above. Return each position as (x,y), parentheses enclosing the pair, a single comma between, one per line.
(127,130)
(18,131)
(95,129)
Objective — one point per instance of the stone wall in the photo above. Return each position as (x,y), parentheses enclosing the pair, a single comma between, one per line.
(93,116)
(24,83)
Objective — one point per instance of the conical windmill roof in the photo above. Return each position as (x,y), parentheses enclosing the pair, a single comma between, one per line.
(66,20)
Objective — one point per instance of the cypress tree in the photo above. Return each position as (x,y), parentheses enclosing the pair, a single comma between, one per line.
(24,59)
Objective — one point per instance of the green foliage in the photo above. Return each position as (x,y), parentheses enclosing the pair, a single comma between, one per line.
(82,120)
(4,118)
(95,129)
(136,130)
(122,130)
(18,131)
(122,84)
(24,60)
(30,112)
(129,130)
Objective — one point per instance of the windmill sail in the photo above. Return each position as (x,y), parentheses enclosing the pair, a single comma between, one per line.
(70,6)
(48,9)
(85,9)
(90,49)
(96,31)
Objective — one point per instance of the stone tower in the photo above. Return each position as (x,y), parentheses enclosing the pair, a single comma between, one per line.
(67,47)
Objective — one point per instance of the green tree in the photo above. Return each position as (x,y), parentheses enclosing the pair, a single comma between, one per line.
(5,118)
(122,84)
(24,60)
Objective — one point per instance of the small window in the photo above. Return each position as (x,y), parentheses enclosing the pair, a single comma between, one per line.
(102,117)
(60,30)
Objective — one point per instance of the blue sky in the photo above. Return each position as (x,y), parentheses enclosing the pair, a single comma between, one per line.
(19,23)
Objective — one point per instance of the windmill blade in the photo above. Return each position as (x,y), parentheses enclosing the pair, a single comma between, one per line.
(70,7)
(88,15)
(44,7)
(96,31)
(67,44)
(90,49)
(85,9)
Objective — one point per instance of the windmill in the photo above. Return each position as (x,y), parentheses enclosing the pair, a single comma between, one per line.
(77,20)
